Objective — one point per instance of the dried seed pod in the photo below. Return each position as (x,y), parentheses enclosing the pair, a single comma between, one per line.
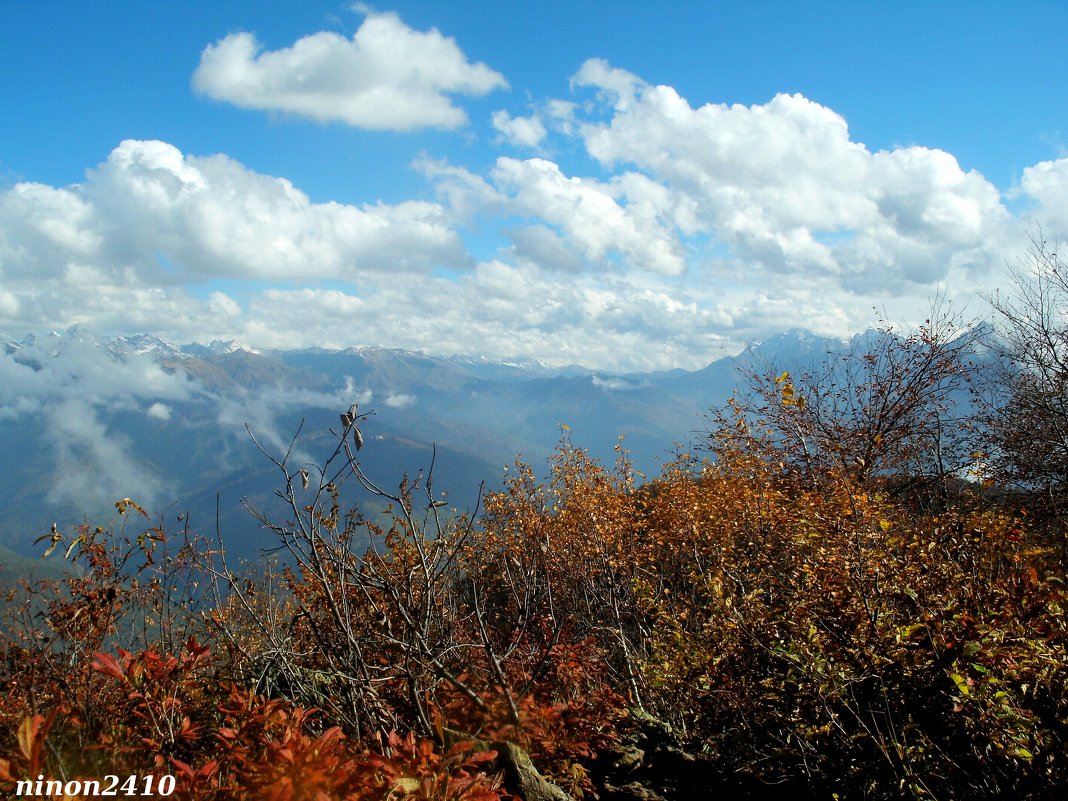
(349,417)
(357,437)
(303,477)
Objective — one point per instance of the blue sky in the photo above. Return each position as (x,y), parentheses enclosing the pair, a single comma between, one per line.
(624,185)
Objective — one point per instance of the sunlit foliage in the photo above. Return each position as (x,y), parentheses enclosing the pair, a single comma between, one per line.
(784,611)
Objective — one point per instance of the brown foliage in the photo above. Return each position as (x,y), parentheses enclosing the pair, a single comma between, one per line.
(803,628)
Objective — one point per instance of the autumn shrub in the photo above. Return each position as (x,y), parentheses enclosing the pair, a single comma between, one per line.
(833,638)
(164,705)
(123,590)
(272,750)
(814,630)
(565,557)
(442,628)
(95,685)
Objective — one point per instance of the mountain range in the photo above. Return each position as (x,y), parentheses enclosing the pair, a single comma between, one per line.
(86,420)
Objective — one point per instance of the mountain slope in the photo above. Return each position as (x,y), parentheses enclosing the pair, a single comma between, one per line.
(86,420)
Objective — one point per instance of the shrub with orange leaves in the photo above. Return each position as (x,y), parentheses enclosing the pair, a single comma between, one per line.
(824,636)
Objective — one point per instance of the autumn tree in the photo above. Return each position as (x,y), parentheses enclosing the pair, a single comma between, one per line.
(1030,413)
(891,405)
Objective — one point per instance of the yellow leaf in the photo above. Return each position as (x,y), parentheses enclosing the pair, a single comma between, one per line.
(961,682)
(27,734)
(407,784)
(71,548)
(788,394)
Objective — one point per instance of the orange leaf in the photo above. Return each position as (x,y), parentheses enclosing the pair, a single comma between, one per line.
(108,665)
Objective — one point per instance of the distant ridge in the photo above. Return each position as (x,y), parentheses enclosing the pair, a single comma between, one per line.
(87,419)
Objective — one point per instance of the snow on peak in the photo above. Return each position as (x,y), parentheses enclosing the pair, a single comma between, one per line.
(222,347)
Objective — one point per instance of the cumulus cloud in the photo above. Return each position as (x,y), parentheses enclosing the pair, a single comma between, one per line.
(211,215)
(630,218)
(1047,184)
(624,217)
(467,193)
(540,245)
(522,131)
(784,184)
(151,218)
(387,77)
(501,310)
(680,233)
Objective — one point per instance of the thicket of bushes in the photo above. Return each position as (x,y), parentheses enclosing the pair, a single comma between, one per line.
(819,604)
(828,638)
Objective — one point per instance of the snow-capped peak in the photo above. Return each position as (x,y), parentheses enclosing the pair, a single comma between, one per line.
(218,347)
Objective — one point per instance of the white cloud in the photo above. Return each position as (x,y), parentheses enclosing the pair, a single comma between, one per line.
(617,84)
(522,131)
(52,367)
(44,229)
(387,77)
(466,193)
(399,400)
(784,184)
(1047,183)
(93,250)
(159,411)
(95,465)
(71,383)
(688,231)
(503,310)
(591,215)
(539,245)
(222,305)
(611,384)
(211,215)
(83,388)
